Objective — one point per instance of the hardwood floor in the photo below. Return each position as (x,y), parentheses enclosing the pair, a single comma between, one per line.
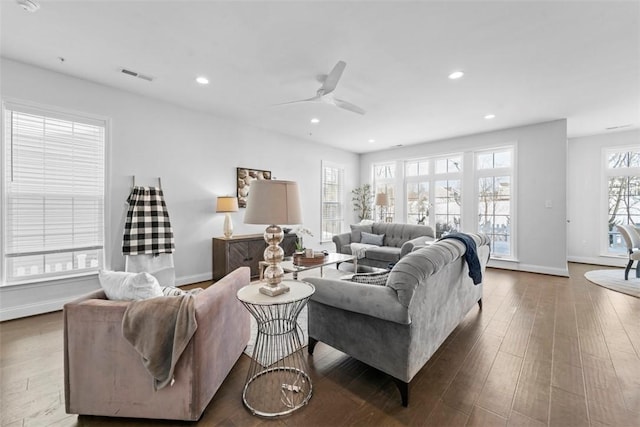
(544,351)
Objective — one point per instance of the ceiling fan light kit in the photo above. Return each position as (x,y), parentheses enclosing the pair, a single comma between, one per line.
(325,92)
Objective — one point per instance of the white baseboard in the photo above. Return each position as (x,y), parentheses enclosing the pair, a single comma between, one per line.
(516,266)
(27,310)
(194,278)
(609,262)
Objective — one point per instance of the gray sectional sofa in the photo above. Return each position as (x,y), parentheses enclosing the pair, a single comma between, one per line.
(398,326)
(398,240)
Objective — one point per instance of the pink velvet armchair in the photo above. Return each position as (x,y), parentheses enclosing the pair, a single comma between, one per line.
(105,376)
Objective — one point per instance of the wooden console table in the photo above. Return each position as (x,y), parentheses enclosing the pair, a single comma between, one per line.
(245,250)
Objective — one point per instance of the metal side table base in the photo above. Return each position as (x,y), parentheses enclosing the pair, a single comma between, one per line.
(277,383)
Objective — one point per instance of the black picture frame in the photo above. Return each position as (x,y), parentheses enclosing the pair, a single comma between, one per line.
(244,177)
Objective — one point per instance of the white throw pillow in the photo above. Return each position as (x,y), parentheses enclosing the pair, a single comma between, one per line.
(123,286)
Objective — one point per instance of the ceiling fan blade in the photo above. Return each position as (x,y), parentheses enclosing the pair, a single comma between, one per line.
(348,106)
(332,79)
(315,98)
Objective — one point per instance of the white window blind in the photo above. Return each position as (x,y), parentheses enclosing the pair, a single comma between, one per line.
(332,200)
(54,194)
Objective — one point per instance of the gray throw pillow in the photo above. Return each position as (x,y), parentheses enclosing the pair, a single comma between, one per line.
(356,232)
(379,279)
(372,239)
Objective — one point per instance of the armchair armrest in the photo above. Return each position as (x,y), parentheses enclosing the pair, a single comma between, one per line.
(410,245)
(340,240)
(372,300)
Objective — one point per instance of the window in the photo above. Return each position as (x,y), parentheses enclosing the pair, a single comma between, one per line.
(418,200)
(53,192)
(384,175)
(332,200)
(622,184)
(495,199)
(435,198)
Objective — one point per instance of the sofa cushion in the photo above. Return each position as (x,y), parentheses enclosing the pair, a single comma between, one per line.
(372,239)
(123,286)
(384,253)
(397,234)
(356,232)
(379,278)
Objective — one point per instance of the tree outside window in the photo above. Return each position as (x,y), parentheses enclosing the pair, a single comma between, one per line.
(384,175)
(623,194)
(495,199)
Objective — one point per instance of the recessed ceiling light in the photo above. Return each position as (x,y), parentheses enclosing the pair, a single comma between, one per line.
(315,120)
(202,80)
(490,116)
(371,141)
(28,5)
(456,75)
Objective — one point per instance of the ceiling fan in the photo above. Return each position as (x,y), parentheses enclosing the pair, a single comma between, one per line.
(324,93)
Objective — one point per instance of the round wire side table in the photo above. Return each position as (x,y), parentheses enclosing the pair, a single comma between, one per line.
(277,382)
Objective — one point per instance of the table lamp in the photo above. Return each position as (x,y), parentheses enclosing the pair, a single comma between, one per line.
(274,203)
(226,205)
(382,200)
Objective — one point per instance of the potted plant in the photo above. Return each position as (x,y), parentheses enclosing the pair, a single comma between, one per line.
(300,231)
(362,198)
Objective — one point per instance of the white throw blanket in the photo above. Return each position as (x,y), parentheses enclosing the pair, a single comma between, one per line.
(160,266)
(360,249)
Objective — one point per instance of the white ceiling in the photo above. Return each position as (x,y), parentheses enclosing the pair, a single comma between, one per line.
(525,62)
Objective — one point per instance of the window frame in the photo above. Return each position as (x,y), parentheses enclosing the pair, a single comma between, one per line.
(58,113)
(430,178)
(493,173)
(388,183)
(341,205)
(607,173)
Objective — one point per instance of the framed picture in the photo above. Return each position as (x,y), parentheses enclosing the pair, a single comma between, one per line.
(245,177)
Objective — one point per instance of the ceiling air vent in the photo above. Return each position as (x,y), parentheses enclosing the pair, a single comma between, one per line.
(138,75)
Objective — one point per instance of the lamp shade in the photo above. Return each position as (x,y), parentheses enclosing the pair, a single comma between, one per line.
(382,199)
(227,204)
(273,202)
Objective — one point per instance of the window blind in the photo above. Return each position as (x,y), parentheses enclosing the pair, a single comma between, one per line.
(54,193)
(332,197)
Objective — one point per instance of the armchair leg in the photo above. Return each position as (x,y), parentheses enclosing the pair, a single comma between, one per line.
(638,269)
(480,303)
(626,270)
(312,345)
(403,387)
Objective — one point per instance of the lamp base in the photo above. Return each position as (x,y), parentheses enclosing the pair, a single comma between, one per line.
(228,226)
(273,291)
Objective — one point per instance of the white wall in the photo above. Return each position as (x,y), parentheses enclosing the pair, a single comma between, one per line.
(196,154)
(541,150)
(587,204)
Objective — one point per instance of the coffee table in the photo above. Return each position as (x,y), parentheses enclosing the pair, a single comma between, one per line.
(289,267)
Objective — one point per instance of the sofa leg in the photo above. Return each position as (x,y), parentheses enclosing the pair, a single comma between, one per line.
(312,345)
(480,303)
(626,270)
(403,387)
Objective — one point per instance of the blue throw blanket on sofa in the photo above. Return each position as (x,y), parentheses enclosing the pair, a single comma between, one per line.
(470,255)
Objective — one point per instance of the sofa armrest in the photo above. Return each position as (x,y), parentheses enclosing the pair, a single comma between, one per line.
(340,240)
(372,300)
(224,329)
(410,245)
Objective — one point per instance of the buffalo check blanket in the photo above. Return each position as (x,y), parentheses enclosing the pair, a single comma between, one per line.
(147,229)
